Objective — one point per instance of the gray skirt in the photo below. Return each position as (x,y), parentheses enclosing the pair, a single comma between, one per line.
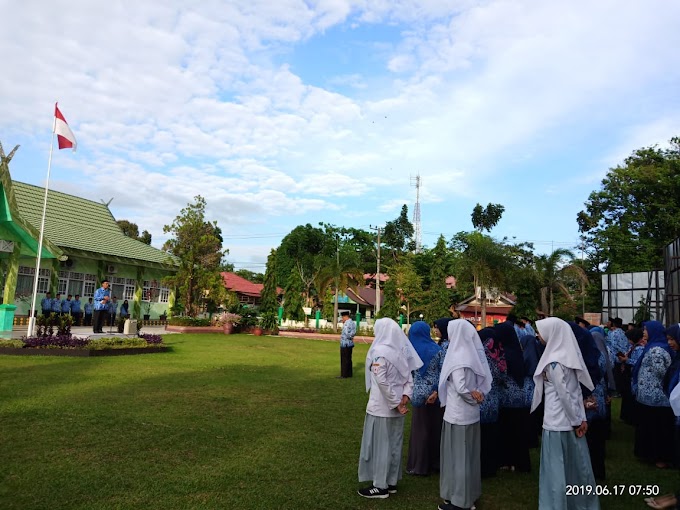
(565,461)
(380,457)
(460,476)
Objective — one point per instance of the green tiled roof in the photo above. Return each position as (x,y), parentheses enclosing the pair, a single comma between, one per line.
(74,223)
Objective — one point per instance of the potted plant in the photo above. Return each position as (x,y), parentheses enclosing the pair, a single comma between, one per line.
(269,322)
(228,321)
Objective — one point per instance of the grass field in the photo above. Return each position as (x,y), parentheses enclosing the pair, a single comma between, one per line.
(220,422)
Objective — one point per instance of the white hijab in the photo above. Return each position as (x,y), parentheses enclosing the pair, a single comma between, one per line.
(391,343)
(560,347)
(465,351)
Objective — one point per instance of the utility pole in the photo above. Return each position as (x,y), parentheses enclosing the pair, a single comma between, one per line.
(417,234)
(377,273)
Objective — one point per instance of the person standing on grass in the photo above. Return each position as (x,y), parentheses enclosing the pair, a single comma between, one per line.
(464,381)
(426,422)
(389,363)
(349,329)
(515,400)
(565,459)
(101,306)
(654,416)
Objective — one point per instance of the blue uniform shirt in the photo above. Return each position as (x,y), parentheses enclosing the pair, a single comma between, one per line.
(88,307)
(56,305)
(113,307)
(99,295)
(75,306)
(66,306)
(46,304)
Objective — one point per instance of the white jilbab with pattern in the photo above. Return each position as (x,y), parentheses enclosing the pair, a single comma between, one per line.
(465,370)
(389,363)
(564,456)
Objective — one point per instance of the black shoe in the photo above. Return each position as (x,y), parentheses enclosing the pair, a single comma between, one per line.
(446,506)
(374,493)
(392,489)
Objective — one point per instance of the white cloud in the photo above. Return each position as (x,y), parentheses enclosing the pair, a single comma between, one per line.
(180,100)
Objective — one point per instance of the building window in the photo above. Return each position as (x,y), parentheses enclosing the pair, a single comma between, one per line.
(129,292)
(88,289)
(25,282)
(164,295)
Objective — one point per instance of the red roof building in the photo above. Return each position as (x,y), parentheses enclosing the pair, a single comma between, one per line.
(248,293)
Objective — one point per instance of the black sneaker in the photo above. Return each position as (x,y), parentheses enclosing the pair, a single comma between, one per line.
(446,505)
(374,493)
(392,489)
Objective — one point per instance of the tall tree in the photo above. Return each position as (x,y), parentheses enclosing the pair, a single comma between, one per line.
(269,302)
(392,299)
(485,262)
(556,276)
(340,270)
(197,243)
(293,300)
(486,218)
(409,285)
(132,230)
(398,236)
(301,251)
(438,295)
(251,276)
(636,212)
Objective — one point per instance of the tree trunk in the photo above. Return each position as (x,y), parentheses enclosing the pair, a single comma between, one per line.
(335,308)
(551,302)
(483,298)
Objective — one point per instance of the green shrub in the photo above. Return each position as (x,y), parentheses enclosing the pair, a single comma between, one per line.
(12,343)
(116,343)
(188,321)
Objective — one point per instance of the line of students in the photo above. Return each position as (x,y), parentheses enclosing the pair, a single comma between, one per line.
(75,308)
(464,392)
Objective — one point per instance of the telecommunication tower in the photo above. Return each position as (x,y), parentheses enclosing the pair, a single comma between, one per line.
(417,234)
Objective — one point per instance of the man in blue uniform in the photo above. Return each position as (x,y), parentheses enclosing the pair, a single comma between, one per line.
(56,304)
(101,305)
(46,304)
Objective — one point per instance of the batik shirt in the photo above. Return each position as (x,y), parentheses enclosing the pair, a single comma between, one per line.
(423,386)
(618,342)
(649,390)
(599,394)
(489,408)
(349,329)
(515,396)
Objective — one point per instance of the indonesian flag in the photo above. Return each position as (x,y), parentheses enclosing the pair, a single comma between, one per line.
(65,136)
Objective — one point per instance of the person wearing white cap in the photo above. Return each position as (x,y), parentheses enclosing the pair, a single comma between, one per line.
(565,460)
(389,380)
(464,381)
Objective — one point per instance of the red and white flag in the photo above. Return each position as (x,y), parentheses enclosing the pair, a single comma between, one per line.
(65,136)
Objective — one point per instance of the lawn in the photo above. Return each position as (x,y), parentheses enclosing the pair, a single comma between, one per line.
(220,422)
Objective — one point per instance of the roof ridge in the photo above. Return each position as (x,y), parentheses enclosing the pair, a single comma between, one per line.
(51,190)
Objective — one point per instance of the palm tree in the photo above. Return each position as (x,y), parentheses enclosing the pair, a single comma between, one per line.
(339,273)
(553,276)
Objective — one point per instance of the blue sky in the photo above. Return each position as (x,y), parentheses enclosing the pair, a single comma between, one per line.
(291,112)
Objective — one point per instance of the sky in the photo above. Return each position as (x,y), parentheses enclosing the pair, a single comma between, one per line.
(292,112)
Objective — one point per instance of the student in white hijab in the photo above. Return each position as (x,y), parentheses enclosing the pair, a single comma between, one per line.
(565,460)
(389,363)
(465,380)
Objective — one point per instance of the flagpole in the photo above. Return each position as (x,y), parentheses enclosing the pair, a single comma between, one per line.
(31,320)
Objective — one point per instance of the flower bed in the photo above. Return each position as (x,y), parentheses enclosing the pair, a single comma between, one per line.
(65,345)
